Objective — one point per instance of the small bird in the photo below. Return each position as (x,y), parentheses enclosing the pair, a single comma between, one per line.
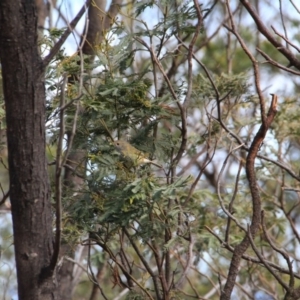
(131,153)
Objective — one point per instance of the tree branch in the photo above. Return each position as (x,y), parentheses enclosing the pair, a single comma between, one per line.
(65,35)
(264,31)
(256,201)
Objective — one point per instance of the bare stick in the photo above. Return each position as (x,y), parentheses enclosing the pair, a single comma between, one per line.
(58,182)
(263,260)
(65,35)
(276,64)
(283,253)
(254,64)
(249,258)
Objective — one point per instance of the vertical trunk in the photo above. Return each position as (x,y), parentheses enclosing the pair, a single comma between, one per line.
(25,115)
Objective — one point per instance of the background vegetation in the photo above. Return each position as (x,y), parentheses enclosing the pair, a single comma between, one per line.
(188,83)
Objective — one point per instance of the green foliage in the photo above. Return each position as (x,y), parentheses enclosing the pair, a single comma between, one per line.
(217,62)
(233,85)
(145,218)
(146,205)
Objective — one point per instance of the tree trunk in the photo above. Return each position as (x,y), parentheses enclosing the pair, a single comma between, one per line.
(25,115)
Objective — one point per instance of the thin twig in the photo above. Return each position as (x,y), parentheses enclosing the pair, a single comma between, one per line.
(65,35)
(5,196)
(145,263)
(58,181)
(254,64)
(283,253)
(190,55)
(264,261)
(247,257)
(294,61)
(286,39)
(230,206)
(283,24)
(296,8)
(189,261)
(81,266)
(218,189)
(61,159)
(91,274)
(277,64)
(206,162)
(287,215)
(173,93)
(72,134)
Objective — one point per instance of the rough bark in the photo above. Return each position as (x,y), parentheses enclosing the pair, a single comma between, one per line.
(25,115)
